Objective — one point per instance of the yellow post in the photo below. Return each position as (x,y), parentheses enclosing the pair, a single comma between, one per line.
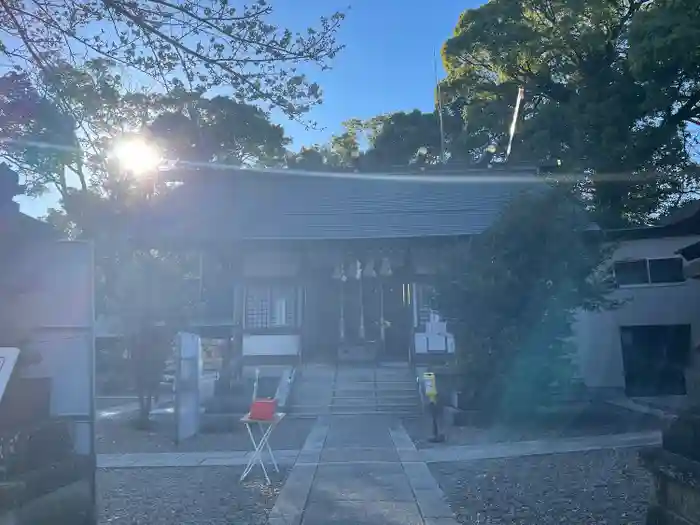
(429,386)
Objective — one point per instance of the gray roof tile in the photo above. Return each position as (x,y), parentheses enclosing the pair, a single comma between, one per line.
(248,205)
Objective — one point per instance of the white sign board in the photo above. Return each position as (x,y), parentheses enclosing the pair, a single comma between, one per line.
(61,315)
(8,359)
(187,385)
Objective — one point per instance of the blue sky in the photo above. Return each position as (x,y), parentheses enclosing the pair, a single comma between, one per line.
(387,64)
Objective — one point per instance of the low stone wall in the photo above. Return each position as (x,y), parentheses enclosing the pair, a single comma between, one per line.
(675,467)
(692,380)
(676,498)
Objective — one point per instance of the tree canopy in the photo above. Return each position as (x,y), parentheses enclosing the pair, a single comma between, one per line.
(511,294)
(65,147)
(194,44)
(58,135)
(611,90)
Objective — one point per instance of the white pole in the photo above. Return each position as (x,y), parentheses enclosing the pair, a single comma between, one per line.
(342,310)
(440,118)
(382,328)
(255,384)
(362,311)
(513,124)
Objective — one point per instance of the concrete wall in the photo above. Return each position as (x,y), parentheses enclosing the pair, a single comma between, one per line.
(269,345)
(271,263)
(597,335)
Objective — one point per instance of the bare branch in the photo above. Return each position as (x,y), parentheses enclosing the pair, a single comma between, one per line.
(210,41)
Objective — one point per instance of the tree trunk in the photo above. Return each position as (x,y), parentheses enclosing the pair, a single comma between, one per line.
(145,405)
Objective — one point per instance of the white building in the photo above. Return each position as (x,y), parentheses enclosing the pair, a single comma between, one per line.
(644,346)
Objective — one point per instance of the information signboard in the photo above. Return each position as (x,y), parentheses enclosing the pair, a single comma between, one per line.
(187,385)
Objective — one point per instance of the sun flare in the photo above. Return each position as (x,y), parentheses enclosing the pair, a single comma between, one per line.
(136,155)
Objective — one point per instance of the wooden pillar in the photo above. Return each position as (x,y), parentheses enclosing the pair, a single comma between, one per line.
(361,331)
(342,311)
(382,327)
(237,290)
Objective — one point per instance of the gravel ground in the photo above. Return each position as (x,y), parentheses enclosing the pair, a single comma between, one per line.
(602,488)
(598,420)
(102,403)
(118,435)
(192,496)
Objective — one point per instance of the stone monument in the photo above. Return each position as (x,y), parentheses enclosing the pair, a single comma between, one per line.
(675,466)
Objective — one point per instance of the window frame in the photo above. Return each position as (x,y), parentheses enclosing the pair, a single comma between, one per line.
(649,282)
(292,302)
(629,261)
(664,283)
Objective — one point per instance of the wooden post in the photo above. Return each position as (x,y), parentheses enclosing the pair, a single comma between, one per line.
(342,310)
(382,328)
(362,312)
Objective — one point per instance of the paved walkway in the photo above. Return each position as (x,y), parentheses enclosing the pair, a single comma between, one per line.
(662,412)
(130,405)
(350,472)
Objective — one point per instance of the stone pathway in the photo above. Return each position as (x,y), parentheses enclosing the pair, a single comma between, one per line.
(129,405)
(314,452)
(661,411)
(366,470)
(350,472)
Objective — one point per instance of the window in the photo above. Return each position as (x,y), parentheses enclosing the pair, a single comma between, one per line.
(284,300)
(631,272)
(425,294)
(270,307)
(666,270)
(257,307)
(649,271)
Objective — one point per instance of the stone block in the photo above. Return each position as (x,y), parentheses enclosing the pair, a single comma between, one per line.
(683,501)
(692,381)
(683,435)
(675,467)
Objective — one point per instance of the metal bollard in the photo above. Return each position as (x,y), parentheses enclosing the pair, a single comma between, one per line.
(431,393)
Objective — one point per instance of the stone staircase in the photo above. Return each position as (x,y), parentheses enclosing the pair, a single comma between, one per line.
(356,389)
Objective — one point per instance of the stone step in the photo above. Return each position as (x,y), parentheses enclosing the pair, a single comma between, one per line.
(349,390)
(395,406)
(360,387)
(355,398)
(384,411)
(412,409)
(353,393)
(363,404)
(394,378)
(368,395)
(311,409)
(402,392)
(398,395)
(399,387)
(313,390)
(375,401)
(357,375)
(396,384)
(313,385)
(398,400)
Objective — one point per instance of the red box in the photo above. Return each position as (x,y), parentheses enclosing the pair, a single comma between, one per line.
(263,409)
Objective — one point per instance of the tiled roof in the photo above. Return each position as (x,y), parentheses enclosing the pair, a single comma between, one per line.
(251,205)
(15,225)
